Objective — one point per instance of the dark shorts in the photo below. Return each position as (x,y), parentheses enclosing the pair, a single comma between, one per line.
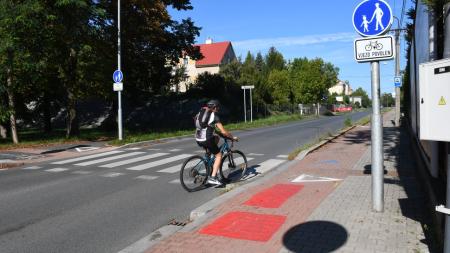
(210,144)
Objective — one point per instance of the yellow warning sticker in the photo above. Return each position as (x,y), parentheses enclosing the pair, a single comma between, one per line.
(442,101)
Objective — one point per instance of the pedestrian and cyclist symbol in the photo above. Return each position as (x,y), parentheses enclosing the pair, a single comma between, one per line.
(372,18)
(117,76)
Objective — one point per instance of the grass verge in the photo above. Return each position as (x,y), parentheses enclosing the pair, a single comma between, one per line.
(36,139)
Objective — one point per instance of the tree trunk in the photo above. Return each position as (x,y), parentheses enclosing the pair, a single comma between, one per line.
(72,118)
(3,132)
(11,101)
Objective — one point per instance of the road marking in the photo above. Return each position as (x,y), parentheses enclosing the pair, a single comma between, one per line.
(81,172)
(56,170)
(32,168)
(146,177)
(304,178)
(175,150)
(282,156)
(109,158)
(132,149)
(268,165)
(172,169)
(113,174)
(154,149)
(88,157)
(238,161)
(138,159)
(159,162)
(84,149)
(253,154)
(176,181)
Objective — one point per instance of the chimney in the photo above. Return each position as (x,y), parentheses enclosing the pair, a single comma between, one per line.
(209,41)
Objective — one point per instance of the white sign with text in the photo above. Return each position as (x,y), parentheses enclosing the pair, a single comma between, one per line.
(374,49)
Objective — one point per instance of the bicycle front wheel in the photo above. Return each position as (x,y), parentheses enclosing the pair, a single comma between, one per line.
(193,173)
(233,166)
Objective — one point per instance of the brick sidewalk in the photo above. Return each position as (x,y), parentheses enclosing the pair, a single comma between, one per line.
(279,215)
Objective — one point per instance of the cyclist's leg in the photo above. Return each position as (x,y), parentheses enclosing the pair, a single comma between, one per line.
(214,148)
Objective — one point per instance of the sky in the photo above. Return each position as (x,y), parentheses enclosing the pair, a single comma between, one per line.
(296,28)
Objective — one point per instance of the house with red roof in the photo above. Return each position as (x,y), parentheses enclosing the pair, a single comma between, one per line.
(215,56)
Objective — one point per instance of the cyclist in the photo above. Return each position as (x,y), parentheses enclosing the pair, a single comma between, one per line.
(206,138)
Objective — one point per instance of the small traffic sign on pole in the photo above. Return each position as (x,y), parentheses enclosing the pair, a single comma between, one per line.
(372,18)
(118,76)
(374,49)
(398,81)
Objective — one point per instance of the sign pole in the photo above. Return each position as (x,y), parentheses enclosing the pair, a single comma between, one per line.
(251,106)
(397,74)
(119,110)
(245,108)
(377,142)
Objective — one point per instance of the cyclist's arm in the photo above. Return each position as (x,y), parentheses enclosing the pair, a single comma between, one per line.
(223,131)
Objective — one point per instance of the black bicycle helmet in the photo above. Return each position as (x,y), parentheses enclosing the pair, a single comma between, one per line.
(213,103)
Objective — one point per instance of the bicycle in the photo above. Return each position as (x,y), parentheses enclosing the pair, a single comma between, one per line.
(196,169)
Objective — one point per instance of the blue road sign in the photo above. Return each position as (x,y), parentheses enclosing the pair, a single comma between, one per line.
(398,81)
(372,18)
(117,76)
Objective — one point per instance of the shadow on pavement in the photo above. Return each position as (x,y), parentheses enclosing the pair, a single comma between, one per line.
(413,206)
(315,236)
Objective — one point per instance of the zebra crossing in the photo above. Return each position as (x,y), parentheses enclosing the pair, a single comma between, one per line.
(142,164)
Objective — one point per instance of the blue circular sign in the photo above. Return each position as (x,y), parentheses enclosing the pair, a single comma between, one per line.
(372,18)
(118,76)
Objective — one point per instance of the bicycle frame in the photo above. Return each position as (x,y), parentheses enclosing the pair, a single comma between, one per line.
(224,148)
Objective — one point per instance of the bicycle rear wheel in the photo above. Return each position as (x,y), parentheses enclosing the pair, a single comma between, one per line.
(233,166)
(193,173)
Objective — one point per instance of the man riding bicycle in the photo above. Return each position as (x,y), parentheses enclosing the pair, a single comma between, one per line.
(205,137)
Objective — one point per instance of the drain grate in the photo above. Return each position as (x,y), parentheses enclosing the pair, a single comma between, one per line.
(178,223)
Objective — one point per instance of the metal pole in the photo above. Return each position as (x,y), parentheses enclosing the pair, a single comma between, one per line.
(251,106)
(377,142)
(447,205)
(245,108)
(119,110)
(446,54)
(397,73)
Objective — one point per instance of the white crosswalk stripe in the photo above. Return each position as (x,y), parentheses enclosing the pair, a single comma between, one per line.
(32,168)
(146,177)
(282,156)
(81,172)
(154,149)
(113,174)
(133,160)
(102,160)
(175,150)
(237,161)
(88,157)
(132,149)
(268,165)
(159,162)
(57,170)
(172,169)
(176,181)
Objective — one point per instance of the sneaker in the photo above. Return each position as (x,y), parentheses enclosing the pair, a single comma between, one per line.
(214,180)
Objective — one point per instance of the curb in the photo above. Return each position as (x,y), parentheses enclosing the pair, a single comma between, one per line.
(9,165)
(203,212)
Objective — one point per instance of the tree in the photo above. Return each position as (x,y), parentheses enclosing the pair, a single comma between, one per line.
(274,60)
(279,87)
(365,101)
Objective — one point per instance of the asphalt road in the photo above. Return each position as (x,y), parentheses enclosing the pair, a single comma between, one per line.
(105,203)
